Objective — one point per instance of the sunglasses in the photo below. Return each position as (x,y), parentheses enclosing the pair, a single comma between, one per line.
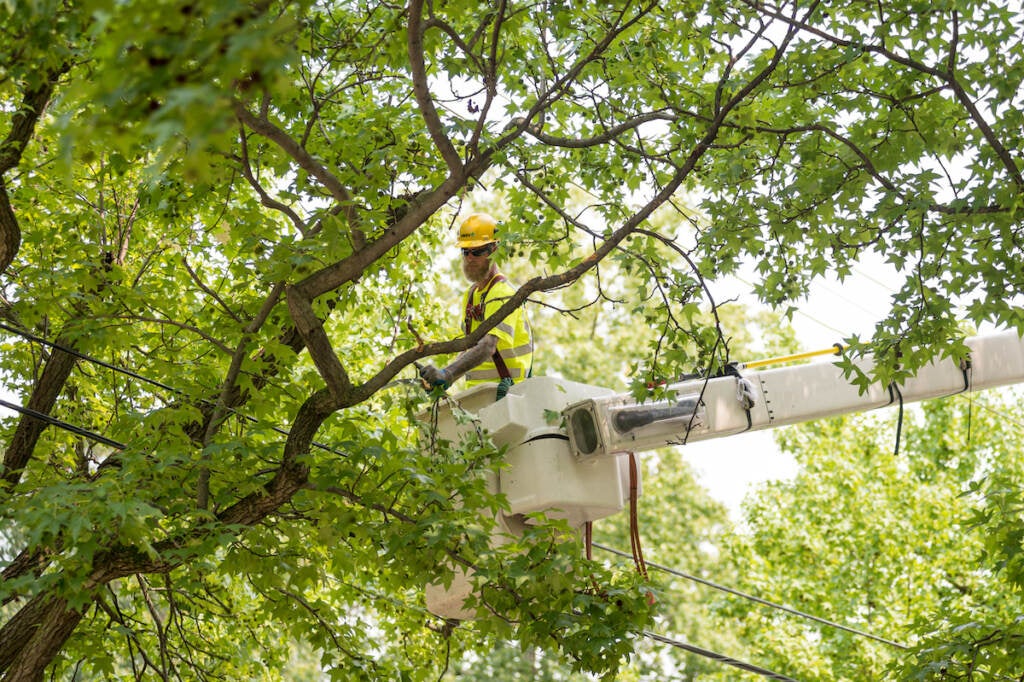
(478,251)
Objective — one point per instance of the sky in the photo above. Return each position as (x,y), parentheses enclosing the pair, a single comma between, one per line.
(733,466)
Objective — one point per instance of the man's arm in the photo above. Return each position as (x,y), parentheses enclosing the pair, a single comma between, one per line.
(463,362)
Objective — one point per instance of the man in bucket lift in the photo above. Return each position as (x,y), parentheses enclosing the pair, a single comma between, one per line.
(505,354)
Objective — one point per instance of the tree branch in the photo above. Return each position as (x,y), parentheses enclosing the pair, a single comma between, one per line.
(23,123)
(265,198)
(229,387)
(421,90)
(264,127)
(947,76)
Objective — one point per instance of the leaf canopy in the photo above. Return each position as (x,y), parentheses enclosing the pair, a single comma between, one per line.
(249,206)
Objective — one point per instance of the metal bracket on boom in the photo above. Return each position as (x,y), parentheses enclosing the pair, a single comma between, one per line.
(753,399)
(599,428)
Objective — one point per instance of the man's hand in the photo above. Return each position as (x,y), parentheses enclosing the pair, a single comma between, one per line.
(436,377)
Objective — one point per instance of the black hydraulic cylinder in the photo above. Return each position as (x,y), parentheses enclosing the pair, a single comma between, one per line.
(630,418)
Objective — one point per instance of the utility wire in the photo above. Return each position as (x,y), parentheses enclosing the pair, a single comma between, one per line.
(78,354)
(874,280)
(127,372)
(1002,415)
(758,600)
(799,311)
(78,430)
(721,658)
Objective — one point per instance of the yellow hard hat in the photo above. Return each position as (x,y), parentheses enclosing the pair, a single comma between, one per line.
(476,230)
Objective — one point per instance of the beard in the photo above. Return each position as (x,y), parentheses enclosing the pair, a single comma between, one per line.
(475,269)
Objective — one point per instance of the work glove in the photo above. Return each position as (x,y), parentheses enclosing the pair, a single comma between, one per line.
(503,386)
(436,377)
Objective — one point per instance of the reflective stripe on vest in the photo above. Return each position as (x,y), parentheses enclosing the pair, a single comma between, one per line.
(515,338)
(477,312)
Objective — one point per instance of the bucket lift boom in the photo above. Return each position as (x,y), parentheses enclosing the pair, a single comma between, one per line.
(574,467)
(762,399)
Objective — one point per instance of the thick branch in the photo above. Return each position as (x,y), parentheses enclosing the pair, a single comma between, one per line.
(23,123)
(34,636)
(55,375)
(10,233)
(319,345)
(421,90)
(264,127)
(420,209)
(300,296)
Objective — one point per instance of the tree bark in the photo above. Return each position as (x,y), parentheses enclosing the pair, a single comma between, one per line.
(36,634)
(55,375)
(23,124)
(10,233)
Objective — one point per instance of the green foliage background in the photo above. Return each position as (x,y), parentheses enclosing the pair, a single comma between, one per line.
(249,206)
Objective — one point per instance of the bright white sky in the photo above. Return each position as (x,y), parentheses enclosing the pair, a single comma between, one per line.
(731,467)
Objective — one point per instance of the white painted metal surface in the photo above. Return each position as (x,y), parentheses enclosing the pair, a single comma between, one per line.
(760,399)
(539,473)
(565,440)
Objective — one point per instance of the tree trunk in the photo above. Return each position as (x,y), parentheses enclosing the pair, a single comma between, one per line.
(34,636)
(10,233)
(44,397)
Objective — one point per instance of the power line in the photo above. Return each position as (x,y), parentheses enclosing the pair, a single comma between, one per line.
(758,600)
(721,658)
(874,280)
(78,354)
(1002,415)
(843,297)
(78,430)
(799,311)
(127,372)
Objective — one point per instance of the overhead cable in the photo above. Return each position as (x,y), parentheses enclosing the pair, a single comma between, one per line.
(77,430)
(721,658)
(758,600)
(78,354)
(127,372)
(1002,415)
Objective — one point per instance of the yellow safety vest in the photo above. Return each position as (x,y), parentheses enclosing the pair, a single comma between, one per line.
(514,355)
